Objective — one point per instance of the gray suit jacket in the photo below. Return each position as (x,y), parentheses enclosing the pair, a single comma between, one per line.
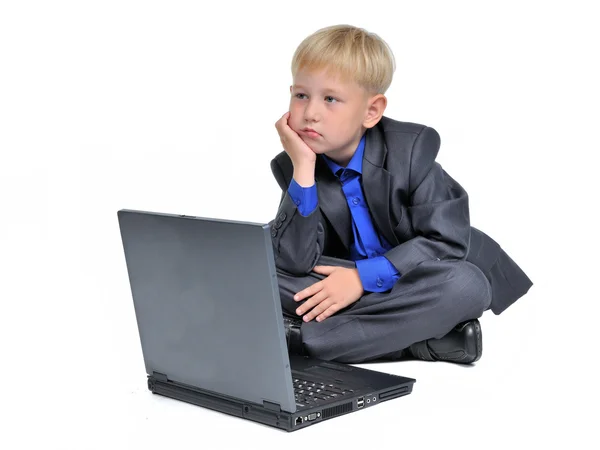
(414,203)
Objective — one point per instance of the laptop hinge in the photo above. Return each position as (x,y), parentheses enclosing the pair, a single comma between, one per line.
(159,376)
(272,406)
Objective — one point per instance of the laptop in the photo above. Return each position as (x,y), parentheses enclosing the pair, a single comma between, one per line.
(210,322)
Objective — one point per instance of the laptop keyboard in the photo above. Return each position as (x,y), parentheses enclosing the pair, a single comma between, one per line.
(309,393)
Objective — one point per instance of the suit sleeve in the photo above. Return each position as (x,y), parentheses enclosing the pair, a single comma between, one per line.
(297,240)
(439,210)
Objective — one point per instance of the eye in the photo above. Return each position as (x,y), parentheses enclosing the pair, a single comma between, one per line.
(329,96)
(298,95)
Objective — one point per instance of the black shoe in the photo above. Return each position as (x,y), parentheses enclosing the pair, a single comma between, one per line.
(462,345)
(293,335)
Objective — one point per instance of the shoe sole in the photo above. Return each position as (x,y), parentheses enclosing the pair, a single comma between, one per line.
(478,341)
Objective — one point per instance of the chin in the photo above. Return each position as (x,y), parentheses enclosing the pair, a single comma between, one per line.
(314,148)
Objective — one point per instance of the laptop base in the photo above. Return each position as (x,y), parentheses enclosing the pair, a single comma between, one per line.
(267,414)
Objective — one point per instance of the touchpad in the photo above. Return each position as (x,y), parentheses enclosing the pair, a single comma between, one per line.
(334,373)
(339,367)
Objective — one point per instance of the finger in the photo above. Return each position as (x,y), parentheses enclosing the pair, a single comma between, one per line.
(324,270)
(328,312)
(320,308)
(283,119)
(311,290)
(311,303)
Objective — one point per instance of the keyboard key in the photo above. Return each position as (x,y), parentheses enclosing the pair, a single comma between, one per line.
(310,392)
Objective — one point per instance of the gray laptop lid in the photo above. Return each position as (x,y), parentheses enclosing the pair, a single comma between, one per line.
(206,300)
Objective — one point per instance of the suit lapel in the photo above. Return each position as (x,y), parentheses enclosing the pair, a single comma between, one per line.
(376,188)
(332,202)
(376,183)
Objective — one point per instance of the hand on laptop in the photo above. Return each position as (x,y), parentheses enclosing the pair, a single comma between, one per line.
(341,288)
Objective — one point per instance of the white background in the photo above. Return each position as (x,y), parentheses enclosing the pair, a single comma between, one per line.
(170,107)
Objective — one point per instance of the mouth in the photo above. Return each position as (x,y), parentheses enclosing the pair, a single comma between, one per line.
(310,132)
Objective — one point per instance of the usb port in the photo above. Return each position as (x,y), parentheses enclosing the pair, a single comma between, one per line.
(361,402)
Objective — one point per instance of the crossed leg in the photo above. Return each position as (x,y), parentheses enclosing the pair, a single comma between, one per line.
(426,302)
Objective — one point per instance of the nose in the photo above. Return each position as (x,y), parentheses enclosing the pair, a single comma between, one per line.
(311,112)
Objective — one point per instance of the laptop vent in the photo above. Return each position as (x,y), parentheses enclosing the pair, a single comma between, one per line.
(337,410)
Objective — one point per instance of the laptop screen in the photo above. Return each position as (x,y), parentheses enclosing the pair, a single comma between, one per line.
(207,305)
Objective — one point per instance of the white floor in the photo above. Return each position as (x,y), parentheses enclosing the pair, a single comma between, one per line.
(83,390)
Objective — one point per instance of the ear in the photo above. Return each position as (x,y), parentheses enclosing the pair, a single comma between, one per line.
(290,89)
(375,107)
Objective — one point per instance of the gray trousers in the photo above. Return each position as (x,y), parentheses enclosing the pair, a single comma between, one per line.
(426,302)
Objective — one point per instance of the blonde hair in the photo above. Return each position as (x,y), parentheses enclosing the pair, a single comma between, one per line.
(352,53)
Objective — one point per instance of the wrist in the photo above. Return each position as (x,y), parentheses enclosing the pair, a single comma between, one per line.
(305,164)
(357,275)
(304,174)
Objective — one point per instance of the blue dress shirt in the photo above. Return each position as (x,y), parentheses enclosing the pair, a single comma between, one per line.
(376,272)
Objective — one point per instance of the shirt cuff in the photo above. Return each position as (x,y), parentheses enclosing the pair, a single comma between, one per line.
(377,274)
(305,198)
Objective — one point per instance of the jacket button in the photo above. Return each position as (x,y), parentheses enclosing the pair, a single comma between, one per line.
(273,233)
(277,224)
(282,216)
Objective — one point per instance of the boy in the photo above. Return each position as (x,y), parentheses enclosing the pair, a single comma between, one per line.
(375,255)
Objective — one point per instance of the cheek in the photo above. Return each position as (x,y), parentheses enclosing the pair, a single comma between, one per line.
(294,107)
(295,118)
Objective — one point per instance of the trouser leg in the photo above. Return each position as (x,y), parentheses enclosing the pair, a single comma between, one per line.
(425,303)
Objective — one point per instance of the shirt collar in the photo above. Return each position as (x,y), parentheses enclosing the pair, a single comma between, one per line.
(355,162)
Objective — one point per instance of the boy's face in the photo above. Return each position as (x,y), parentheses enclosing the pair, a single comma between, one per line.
(339,111)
